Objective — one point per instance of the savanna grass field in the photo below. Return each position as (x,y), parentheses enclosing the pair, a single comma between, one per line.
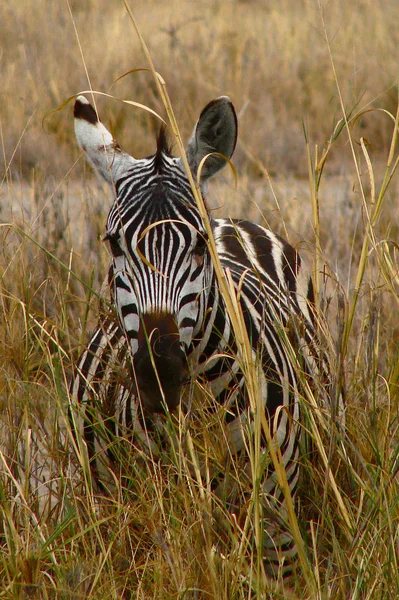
(315,85)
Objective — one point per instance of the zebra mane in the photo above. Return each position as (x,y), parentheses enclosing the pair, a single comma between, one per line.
(163,147)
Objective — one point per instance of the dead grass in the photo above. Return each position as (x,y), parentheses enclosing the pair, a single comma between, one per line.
(157,540)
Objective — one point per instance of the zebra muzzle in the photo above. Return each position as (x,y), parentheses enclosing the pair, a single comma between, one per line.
(160,364)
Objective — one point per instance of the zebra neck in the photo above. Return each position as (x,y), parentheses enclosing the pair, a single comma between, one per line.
(215,335)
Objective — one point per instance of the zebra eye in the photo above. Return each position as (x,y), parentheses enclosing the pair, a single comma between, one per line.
(200,246)
(114,244)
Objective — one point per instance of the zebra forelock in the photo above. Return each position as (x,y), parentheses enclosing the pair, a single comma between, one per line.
(156,188)
(163,149)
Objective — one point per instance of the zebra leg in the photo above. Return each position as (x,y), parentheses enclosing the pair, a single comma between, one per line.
(109,426)
(244,483)
(99,394)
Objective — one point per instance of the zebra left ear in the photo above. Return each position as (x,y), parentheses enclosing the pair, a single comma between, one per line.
(101,150)
(215,131)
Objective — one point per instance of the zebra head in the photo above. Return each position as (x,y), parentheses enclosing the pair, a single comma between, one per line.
(162,274)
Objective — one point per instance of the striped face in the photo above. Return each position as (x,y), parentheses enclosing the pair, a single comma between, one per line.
(160,261)
(161,274)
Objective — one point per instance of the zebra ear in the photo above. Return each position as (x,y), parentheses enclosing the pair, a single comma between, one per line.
(101,150)
(215,131)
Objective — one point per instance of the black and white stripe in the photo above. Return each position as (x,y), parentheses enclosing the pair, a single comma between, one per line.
(172,325)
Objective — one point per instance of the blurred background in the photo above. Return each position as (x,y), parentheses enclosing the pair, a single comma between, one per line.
(270,57)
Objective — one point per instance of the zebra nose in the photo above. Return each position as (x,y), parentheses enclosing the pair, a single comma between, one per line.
(160,363)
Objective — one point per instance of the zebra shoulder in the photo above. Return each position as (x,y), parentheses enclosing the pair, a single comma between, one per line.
(254,247)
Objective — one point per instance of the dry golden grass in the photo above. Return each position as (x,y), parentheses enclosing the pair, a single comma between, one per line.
(56,541)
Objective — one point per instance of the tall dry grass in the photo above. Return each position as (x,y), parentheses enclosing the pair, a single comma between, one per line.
(56,539)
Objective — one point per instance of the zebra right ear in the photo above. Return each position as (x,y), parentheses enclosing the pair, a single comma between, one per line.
(102,151)
(215,131)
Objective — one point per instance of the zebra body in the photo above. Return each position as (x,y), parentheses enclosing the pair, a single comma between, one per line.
(172,327)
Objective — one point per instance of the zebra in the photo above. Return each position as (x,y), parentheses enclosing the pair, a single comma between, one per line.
(169,325)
